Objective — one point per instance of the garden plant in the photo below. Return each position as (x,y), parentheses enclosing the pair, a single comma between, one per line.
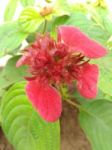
(59,53)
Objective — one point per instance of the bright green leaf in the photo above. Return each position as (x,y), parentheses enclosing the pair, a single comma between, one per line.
(11,37)
(30,19)
(79,18)
(93,30)
(96,121)
(105,79)
(103,17)
(10,10)
(23,127)
(61,8)
(27,2)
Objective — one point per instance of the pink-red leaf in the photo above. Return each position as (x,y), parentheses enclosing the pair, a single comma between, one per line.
(78,41)
(45,99)
(87,83)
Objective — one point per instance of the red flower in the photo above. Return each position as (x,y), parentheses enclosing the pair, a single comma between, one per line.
(52,63)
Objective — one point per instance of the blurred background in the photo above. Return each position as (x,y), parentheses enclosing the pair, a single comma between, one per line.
(3,4)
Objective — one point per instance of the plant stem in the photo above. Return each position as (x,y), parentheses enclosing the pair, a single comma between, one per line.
(78,107)
(45,26)
(73,104)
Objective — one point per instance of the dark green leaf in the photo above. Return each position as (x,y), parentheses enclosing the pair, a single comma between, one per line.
(96,121)
(10,74)
(83,100)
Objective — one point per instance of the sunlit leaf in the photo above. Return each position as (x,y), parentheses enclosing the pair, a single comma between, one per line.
(23,127)
(10,10)
(27,2)
(30,19)
(105,78)
(11,37)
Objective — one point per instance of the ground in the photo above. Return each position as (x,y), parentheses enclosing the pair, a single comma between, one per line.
(72,136)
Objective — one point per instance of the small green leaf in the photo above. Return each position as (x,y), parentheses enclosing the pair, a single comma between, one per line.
(10,10)
(30,19)
(31,38)
(10,37)
(10,74)
(96,121)
(23,127)
(27,2)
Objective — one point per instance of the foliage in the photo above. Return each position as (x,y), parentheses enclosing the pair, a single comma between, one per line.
(12,6)
(11,37)
(11,74)
(97,124)
(30,17)
(105,79)
(22,125)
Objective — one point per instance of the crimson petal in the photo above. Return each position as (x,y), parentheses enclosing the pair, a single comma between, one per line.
(45,99)
(87,83)
(80,42)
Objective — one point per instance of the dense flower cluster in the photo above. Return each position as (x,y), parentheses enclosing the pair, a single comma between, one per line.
(53,63)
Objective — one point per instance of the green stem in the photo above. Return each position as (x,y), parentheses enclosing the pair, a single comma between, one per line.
(45,26)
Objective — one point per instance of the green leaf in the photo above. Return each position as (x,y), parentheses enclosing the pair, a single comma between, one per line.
(105,79)
(102,17)
(96,121)
(51,27)
(93,30)
(27,2)
(30,20)
(61,8)
(10,74)
(10,10)
(76,95)
(80,19)
(11,37)
(1,90)
(23,127)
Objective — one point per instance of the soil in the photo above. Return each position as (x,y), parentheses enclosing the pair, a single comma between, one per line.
(72,136)
(4,145)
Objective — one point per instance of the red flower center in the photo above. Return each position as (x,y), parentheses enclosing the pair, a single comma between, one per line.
(53,62)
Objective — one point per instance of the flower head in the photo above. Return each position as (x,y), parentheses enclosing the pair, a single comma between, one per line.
(53,63)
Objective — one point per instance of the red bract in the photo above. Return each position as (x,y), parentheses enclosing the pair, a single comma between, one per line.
(78,41)
(53,63)
(46,99)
